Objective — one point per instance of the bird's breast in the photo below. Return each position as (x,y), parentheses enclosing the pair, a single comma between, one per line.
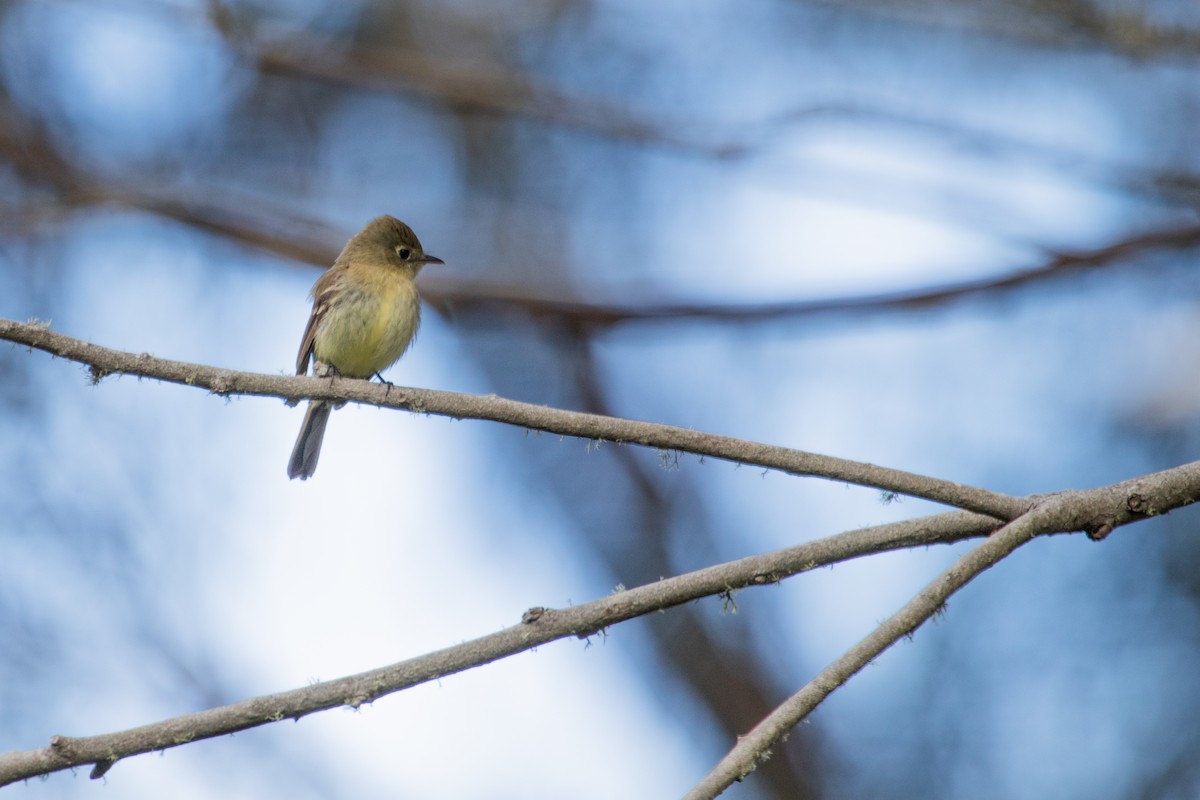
(371,324)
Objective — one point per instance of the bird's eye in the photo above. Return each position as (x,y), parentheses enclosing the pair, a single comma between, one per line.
(403,252)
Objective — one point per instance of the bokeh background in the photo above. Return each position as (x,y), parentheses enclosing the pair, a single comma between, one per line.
(955,237)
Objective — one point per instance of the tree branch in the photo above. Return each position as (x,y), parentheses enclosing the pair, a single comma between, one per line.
(538,626)
(104,361)
(1097,511)
(755,747)
(27,144)
(444,292)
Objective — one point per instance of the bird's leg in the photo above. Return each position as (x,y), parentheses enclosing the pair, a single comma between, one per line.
(387,392)
(323,370)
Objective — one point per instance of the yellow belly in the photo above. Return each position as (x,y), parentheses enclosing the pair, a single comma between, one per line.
(369,328)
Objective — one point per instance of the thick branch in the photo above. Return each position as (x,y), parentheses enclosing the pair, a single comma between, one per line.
(104,361)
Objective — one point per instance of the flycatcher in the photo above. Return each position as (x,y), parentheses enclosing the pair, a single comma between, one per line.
(365,314)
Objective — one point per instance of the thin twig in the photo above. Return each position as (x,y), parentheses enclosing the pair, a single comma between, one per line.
(104,361)
(539,626)
(1098,511)
(755,746)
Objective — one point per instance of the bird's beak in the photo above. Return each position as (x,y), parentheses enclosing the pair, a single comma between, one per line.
(433,259)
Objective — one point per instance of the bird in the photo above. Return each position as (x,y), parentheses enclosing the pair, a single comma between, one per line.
(365,313)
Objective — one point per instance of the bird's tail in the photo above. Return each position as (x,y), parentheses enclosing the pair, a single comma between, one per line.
(308,444)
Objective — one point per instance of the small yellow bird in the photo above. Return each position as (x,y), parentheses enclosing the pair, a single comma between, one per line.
(366,311)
